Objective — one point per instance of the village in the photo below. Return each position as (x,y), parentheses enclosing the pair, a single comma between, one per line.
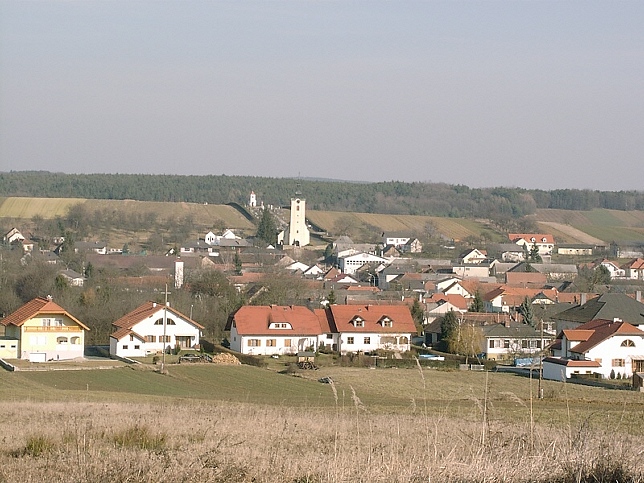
(507,302)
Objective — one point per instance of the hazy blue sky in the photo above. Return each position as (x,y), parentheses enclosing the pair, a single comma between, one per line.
(536,94)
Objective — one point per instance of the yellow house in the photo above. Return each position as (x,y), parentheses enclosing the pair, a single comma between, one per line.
(44,331)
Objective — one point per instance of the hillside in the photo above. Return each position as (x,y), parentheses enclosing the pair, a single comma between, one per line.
(599,226)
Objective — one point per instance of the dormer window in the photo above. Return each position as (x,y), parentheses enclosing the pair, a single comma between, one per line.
(279,325)
(544,239)
(358,322)
(386,322)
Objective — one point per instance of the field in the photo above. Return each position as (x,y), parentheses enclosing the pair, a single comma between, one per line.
(606,225)
(242,424)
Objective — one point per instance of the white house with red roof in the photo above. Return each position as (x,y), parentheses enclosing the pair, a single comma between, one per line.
(152,328)
(273,329)
(544,241)
(41,331)
(597,347)
(365,328)
(634,269)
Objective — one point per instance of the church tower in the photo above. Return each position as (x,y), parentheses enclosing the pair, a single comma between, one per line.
(297,233)
(252,202)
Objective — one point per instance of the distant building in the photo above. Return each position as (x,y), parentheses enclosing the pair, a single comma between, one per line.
(297,233)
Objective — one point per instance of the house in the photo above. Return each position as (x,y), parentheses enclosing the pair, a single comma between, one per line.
(12,236)
(351,263)
(274,329)
(365,328)
(198,247)
(413,245)
(575,249)
(605,348)
(42,330)
(95,246)
(473,256)
(212,239)
(615,270)
(508,341)
(472,270)
(397,239)
(152,328)
(634,269)
(73,278)
(544,242)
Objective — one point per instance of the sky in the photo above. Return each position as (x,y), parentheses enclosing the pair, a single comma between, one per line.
(530,94)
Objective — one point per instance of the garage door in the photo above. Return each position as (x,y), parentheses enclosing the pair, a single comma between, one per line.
(37,357)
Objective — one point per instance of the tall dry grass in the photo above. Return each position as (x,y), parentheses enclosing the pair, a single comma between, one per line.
(217,442)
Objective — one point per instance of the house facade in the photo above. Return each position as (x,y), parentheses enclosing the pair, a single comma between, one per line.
(506,341)
(350,264)
(42,331)
(279,330)
(274,330)
(152,328)
(365,328)
(602,347)
(544,241)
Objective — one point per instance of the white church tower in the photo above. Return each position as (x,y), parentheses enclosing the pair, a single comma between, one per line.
(297,233)
(253,200)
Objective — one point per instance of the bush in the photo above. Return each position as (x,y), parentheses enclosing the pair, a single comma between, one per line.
(36,446)
(140,437)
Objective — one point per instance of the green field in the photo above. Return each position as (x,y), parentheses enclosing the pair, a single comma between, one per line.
(232,424)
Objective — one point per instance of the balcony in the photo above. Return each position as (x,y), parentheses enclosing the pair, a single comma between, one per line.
(52,328)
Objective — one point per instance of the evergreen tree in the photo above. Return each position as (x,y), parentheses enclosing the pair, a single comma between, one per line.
(238,264)
(477,304)
(266,228)
(418,314)
(331,298)
(525,309)
(534,255)
(449,324)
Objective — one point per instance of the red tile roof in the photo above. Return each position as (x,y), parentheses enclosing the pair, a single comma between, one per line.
(256,320)
(572,362)
(37,306)
(602,330)
(528,237)
(341,317)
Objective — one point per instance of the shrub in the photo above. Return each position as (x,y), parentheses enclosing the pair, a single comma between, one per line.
(36,446)
(140,437)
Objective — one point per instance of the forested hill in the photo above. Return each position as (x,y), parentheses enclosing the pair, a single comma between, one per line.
(394,197)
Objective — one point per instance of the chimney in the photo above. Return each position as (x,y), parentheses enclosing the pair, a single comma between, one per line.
(638,296)
(154,304)
(582,300)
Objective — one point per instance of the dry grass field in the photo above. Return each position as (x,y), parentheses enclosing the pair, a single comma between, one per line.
(242,424)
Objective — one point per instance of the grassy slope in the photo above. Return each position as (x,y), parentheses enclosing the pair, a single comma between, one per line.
(606,225)
(389,390)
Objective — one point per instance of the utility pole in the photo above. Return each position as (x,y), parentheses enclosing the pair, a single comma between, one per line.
(165,324)
(540,390)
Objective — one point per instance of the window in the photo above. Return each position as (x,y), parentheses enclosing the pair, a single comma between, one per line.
(349,340)
(151,338)
(61,340)
(367,340)
(167,338)
(137,347)
(618,362)
(125,347)
(46,322)
(358,322)
(271,342)
(386,322)
(254,343)
(76,340)
(329,336)
(506,343)
(167,322)
(2,346)
(287,342)
(524,343)
(491,343)
(628,343)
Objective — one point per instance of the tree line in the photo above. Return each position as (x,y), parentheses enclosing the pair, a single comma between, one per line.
(392,197)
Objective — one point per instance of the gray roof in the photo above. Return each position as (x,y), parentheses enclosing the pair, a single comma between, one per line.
(608,306)
(500,330)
